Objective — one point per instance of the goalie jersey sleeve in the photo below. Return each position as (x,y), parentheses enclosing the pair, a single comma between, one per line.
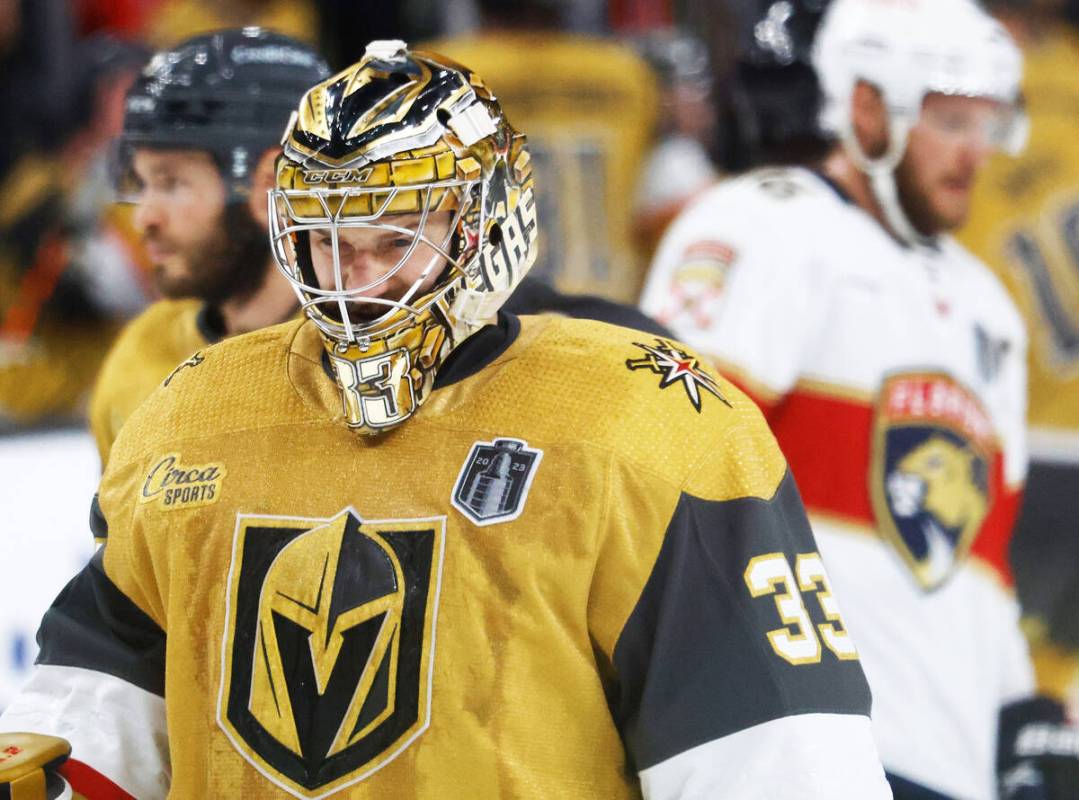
(99,683)
(733,673)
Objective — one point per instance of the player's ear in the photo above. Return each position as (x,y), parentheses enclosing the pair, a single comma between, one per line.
(869,117)
(262,181)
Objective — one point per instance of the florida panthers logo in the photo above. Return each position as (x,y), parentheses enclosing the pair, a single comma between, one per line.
(697,284)
(931,486)
(329,644)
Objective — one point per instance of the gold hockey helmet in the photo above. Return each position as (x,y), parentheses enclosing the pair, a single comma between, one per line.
(403,217)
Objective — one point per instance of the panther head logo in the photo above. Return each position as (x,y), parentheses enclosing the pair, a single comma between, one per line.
(940,485)
(942,479)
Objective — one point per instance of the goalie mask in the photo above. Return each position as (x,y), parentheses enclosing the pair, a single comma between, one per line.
(403,217)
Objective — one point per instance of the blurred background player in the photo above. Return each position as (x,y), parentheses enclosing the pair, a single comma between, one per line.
(60,243)
(679,165)
(770,96)
(605,578)
(1025,225)
(201,132)
(891,366)
(589,105)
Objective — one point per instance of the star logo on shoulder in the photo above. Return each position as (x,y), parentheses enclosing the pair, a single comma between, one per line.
(676,365)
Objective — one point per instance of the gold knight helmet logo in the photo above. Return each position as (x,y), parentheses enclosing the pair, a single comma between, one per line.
(329,645)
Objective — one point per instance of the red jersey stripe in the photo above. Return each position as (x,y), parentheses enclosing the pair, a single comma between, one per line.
(827,440)
(90,783)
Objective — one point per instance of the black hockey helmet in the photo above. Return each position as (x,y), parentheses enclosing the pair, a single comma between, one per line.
(230,93)
(772,100)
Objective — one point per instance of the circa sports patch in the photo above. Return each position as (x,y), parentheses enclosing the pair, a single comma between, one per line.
(173,484)
(677,366)
(493,484)
(329,645)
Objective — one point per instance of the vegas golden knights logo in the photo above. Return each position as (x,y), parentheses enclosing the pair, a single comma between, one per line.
(329,645)
(677,366)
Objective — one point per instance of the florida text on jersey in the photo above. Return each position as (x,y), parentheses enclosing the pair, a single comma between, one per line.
(512,595)
(894,381)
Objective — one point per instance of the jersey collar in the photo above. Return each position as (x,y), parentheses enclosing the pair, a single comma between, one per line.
(472,355)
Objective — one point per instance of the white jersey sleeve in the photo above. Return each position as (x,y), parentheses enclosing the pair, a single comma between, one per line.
(99,683)
(788,757)
(731,279)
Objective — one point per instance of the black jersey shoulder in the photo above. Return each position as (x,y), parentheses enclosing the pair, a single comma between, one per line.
(533,296)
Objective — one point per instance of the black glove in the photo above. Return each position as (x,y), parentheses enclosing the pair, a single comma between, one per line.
(1037,752)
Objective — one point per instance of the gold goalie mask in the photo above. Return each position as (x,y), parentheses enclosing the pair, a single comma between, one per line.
(403,217)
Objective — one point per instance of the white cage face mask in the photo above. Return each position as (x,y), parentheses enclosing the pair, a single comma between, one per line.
(359,265)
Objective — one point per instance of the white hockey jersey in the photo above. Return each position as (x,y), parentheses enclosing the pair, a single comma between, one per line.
(894,379)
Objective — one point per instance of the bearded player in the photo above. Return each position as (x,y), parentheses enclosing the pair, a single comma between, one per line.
(202,127)
(890,364)
(416,547)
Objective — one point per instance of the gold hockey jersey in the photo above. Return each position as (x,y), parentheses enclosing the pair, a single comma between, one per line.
(146,352)
(589,107)
(582,570)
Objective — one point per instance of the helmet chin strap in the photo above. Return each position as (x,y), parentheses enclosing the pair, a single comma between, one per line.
(881,173)
(887,194)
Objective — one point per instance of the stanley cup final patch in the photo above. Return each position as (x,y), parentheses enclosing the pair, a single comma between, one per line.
(494,481)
